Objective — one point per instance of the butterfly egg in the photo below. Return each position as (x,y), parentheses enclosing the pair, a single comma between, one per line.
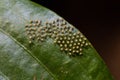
(30,42)
(77,36)
(77,51)
(68,38)
(89,43)
(58,41)
(73,47)
(65,38)
(74,34)
(76,40)
(42,39)
(70,53)
(74,44)
(77,47)
(73,51)
(60,38)
(86,44)
(70,50)
(70,45)
(61,45)
(55,41)
(61,49)
(83,42)
(80,49)
(80,53)
(28,32)
(55,32)
(70,35)
(30,37)
(65,45)
(80,40)
(67,42)
(73,37)
(84,39)
(81,36)
(71,41)
(78,43)
(82,45)
(63,42)
(66,49)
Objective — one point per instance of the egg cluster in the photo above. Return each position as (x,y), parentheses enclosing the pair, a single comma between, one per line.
(69,40)
(32,30)
(72,43)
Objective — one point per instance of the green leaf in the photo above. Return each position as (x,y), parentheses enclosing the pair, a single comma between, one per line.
(22,60)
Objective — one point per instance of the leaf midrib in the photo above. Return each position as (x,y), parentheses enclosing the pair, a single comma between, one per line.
(29,52)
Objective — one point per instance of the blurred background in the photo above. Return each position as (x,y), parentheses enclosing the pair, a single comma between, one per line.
(99,21)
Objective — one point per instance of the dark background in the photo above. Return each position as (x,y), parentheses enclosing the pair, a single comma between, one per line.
(99,21)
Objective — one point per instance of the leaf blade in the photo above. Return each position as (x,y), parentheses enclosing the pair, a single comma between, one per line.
(13,19)
(16,63)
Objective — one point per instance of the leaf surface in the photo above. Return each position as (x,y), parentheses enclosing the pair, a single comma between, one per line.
(20,60)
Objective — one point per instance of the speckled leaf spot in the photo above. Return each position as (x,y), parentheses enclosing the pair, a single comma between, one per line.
(69,39)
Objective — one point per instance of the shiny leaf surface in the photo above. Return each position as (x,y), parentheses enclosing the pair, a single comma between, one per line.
(20,60)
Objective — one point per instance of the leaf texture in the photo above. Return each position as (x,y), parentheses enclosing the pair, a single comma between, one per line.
(20,60)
